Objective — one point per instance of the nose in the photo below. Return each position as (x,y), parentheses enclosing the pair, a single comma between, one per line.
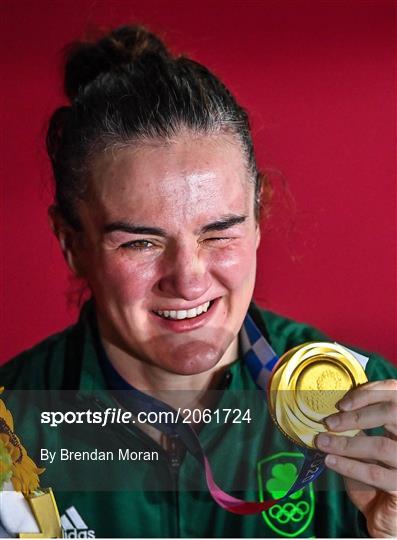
(185,274)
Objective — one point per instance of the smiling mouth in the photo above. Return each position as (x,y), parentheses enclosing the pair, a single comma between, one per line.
(182,314)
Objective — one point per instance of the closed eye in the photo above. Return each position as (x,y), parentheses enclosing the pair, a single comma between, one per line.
(219,239)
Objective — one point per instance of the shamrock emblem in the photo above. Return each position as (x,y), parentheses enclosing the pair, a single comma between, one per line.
(283,476)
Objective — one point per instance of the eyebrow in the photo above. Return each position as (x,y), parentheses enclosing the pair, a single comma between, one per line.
(221,224)
(133,229)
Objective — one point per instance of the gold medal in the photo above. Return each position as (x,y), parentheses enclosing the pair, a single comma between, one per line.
(306,384)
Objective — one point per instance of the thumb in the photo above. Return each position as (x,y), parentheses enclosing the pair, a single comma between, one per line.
(362,495)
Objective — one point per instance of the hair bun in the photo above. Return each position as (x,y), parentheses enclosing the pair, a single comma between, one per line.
(125,45)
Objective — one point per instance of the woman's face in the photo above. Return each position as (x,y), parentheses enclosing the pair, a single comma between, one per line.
(169,249)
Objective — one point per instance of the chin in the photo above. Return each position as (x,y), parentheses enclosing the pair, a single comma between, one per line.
(190,358)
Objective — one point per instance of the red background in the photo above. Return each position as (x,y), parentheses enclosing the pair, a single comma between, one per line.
(319,80)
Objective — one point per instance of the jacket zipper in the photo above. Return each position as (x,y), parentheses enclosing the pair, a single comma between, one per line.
(173,448)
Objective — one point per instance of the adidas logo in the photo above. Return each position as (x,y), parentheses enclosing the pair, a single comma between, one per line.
(74,526)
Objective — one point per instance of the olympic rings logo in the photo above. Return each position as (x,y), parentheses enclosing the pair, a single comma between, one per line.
(289,512)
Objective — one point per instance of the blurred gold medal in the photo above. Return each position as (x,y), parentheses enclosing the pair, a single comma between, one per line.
(307,383)
(45,511)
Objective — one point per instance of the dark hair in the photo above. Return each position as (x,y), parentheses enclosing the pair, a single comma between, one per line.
(127,87)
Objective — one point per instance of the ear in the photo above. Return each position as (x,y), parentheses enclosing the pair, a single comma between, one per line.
(67,237)
(258,235)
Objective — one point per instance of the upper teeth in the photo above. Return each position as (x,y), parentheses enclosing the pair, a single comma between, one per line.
(184,313)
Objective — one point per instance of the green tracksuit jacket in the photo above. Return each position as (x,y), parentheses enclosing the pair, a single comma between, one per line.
(168,496)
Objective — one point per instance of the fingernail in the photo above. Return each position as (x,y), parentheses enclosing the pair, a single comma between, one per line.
(330,460)
(323,439)
(332,421)
(345,404)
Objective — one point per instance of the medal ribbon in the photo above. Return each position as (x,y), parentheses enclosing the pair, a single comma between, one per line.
(260,359)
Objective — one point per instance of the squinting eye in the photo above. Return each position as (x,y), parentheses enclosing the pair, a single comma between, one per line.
(219,240)
(139,245)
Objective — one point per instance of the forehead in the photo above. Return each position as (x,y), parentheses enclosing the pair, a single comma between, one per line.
(188,176)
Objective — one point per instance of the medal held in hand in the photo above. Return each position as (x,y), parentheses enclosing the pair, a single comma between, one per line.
(305,386)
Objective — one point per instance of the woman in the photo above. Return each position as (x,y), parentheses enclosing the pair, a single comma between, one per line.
(157,204)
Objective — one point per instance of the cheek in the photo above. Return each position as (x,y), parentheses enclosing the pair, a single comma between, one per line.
(119,279)
(234,266)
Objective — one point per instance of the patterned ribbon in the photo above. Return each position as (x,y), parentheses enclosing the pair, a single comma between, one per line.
(260,359)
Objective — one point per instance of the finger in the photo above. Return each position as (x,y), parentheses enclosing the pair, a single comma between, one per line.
(372,416)
(391,436)
(370,473)
(381,449)
(367,394)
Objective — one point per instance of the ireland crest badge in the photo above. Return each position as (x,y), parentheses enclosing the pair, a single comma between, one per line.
(293,515)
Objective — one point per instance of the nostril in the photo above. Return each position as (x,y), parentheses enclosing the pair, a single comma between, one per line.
(183,286)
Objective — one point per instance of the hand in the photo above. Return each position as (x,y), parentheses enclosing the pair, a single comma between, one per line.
(368,464)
